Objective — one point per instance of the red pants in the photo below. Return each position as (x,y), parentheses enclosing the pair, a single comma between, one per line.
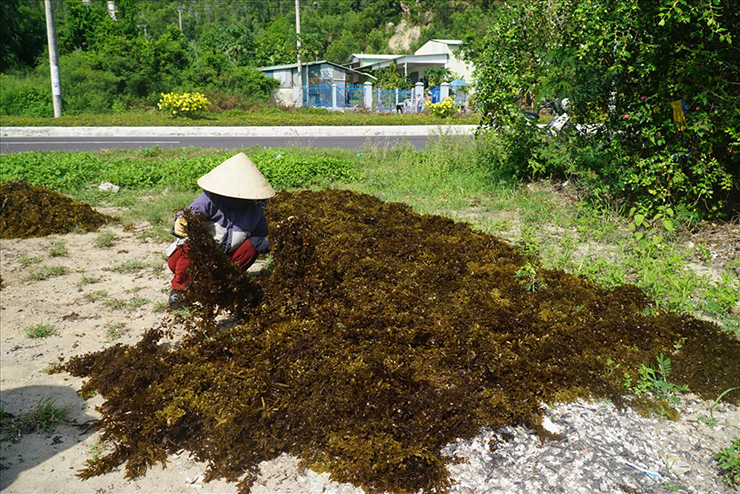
(179,262)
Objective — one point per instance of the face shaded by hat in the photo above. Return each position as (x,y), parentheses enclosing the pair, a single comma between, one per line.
(237,177)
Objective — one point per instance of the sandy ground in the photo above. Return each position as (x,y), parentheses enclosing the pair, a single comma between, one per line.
(118,307)
(107,295)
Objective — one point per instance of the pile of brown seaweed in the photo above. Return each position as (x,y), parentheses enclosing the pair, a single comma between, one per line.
(28,210)
(380,337)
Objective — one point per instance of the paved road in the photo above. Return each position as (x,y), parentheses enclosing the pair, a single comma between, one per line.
(19,139)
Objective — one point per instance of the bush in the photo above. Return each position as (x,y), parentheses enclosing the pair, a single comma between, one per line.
(86,88)
(444,108)
(189,105)
(655,151)
(25,95)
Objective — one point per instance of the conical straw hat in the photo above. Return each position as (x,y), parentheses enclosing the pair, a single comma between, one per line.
(237,177)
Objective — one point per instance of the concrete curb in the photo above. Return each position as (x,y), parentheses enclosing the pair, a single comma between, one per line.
(315,131)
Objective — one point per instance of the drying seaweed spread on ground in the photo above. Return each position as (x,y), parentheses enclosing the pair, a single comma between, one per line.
(380,336)
(28,210)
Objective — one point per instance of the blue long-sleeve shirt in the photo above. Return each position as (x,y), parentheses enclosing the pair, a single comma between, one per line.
(240,218)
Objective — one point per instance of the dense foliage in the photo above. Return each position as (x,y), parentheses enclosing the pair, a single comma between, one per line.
(72,171)
(624,66)
(380,336)
(209,46)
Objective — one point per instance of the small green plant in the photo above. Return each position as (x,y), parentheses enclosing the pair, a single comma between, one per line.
(189,105)
(96,450)
(649,232)
(96,295)
(129,266)
(655,381)
(702,252)
(527,276)
(26,261)
(728,461)
(36,331)
(105,240)
(46,272)
(157,268)
(160,307)
(528,240)
(721,297)
(57,249)
(115,303)
(53,368)
(710,419)
(89,280)
(137,302)
(670,487)
(611,367)
(45,416)
(115,332)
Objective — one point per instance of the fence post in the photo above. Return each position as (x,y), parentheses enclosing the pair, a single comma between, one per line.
(296,96)
(368,101)
(418,94)
(444,90)
(334,96)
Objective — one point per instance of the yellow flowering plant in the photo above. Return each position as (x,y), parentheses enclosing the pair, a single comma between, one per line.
(188,105)
(443,109)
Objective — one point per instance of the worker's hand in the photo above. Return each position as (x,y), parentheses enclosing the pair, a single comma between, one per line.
(181,225)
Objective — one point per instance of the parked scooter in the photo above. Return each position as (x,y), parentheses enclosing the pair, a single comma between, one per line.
(559,115)
(559,119)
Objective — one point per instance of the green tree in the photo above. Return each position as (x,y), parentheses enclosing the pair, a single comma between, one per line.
(22,35)
(390,78)
(622,63)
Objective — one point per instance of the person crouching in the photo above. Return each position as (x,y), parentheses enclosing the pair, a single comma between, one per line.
(232,204)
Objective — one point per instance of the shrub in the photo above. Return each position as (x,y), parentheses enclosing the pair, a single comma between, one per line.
(25,95)
(189,105)
(86,87)
(444,108)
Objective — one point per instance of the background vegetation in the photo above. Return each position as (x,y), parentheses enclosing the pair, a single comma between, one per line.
(622,64)
(111,66)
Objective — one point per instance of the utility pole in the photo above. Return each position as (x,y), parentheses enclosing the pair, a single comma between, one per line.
(179,15)
(298,44)
(51,37)
(112,9)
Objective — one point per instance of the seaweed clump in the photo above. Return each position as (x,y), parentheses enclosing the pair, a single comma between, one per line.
(28,210)
(381,336)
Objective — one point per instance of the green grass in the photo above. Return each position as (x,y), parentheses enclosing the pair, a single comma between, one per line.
(131,266)
(104,240)
(26,261)
(57,248)
(268,117)
(96,295)
(115,332)
(89,280)
(115,303)
(37,331)
(46,272)
(43,417)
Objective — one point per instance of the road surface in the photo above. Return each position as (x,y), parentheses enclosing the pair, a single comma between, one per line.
(20,139)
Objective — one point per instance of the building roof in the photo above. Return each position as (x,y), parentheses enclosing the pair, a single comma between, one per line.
(319,62)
